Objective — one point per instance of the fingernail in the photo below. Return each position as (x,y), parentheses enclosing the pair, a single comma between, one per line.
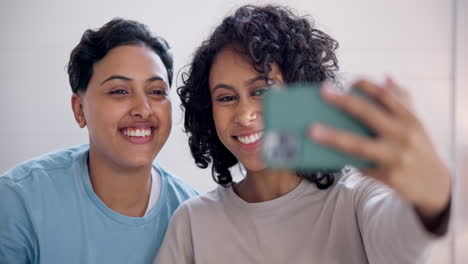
(317,131)
(389,81)
(329,90)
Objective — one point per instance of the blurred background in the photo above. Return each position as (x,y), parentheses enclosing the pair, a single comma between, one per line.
(421,43)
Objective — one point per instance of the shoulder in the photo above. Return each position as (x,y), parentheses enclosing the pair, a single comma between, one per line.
(49,162)
(359,188)
(200,210)
(197,218)
(18,241)
(207,204)
(29,182)
(176,186)
(353,180)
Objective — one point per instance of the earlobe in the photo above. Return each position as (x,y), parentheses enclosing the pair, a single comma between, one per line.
(77,107)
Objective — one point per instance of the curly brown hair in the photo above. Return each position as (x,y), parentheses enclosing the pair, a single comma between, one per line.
(266,34)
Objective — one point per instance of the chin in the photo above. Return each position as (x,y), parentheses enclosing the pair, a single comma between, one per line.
(135,162)
(254,166)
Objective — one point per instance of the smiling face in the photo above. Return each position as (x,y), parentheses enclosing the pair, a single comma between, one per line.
(126,107)
(236,94)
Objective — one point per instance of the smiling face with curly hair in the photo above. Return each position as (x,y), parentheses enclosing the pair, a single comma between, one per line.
(266,38)
(236,96)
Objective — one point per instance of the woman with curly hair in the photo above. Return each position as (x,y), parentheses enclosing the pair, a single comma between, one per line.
(393,214)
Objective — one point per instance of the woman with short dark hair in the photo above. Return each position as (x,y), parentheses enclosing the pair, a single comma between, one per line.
(102,202)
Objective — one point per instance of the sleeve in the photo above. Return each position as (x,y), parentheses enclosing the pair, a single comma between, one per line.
(390,228)
(16,232)
(177,245)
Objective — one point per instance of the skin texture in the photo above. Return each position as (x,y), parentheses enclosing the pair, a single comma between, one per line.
(128,90)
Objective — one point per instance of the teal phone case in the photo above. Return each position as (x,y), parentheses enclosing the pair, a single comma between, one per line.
(288,114)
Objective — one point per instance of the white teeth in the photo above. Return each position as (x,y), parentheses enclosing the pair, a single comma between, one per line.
(251,139)
(137,132)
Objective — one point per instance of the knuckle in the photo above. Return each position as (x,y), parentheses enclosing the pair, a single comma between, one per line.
(405,159)
(357,146)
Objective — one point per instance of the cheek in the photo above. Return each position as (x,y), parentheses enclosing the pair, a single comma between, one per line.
(221,119)
(163,111)
(104,115)
(216,117)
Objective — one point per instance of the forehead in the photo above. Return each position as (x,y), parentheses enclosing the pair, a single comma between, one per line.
(138,61)
(234,68)
(229,65)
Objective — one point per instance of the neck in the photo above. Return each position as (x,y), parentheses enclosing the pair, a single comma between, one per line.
(266,185)
(124,190)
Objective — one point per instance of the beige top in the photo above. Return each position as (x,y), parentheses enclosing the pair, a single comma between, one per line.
(357,220)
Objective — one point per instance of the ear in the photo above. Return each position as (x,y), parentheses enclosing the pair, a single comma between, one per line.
(77,107)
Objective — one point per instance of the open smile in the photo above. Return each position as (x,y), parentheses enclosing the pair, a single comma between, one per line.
(138,135)
(249,142)
(250,139)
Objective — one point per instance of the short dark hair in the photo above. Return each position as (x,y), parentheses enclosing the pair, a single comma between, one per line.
(265,34)
(95,44)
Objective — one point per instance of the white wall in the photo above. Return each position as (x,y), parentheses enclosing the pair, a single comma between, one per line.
(409,39)
(460,223)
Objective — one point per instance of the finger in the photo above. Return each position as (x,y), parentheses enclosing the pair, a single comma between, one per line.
(386,98)
(377,173)
(402,94)
(353,144)
(375,117)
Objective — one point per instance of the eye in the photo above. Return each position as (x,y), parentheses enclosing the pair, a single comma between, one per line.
(226,98)
(118,91)
(158,92)
(260,91)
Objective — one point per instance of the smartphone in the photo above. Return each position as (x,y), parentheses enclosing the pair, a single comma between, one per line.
(288,114)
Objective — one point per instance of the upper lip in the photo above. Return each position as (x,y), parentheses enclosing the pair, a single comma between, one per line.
(138,125)
(247,133)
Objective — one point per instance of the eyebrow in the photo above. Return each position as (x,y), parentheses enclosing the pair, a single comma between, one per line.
(258,78)
(121,77)
(247,83)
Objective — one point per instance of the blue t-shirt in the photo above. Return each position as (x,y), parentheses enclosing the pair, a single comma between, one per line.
(50,214)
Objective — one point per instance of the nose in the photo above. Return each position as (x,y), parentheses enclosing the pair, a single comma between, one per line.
(141,107)
(247,113)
